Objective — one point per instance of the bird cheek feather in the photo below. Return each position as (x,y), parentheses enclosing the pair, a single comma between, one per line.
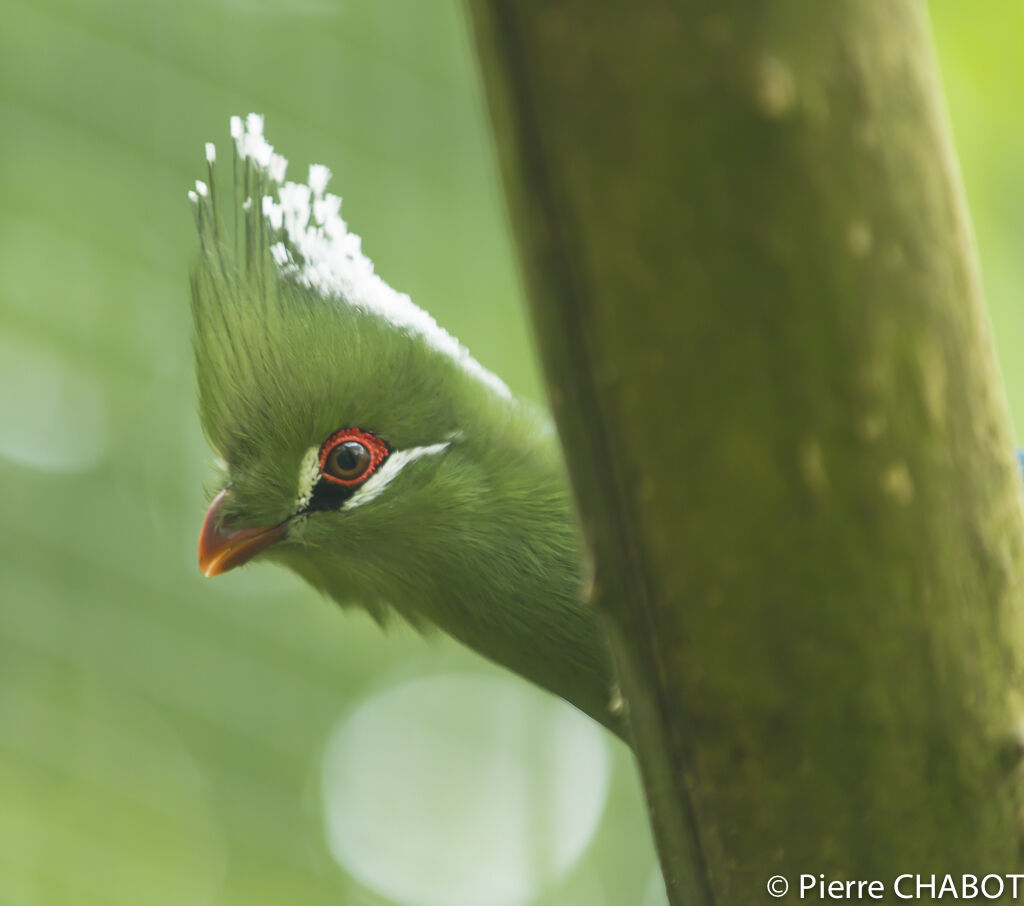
(222,548)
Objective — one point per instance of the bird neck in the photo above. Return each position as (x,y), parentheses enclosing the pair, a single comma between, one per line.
(511,588)
(526,610)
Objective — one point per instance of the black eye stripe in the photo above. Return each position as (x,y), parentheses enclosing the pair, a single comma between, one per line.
(328,495)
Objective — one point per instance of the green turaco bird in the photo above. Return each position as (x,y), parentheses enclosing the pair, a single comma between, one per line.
(365,449)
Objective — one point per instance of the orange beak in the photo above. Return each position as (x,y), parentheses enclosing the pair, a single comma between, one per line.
(221,550)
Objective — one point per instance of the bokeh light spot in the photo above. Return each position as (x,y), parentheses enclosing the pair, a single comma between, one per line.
(52,415)
(463,790)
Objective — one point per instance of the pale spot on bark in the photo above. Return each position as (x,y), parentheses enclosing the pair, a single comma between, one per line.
(872,426)
(858,238)
(875,372)
(897,483)
(1018,737)
(617,703)
(812,466)
(774,87)
(933,382)
(588,587)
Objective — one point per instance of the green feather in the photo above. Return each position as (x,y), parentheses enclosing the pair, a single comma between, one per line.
(296,338)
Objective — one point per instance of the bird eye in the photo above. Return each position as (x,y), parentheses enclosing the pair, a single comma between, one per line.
(347,461)
(351,455)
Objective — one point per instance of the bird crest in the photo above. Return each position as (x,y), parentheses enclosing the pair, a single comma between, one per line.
(283,295)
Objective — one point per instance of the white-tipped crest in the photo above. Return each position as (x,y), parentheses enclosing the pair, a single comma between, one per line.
(322,254)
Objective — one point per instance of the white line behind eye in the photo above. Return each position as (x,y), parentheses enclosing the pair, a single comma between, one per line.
(387,472)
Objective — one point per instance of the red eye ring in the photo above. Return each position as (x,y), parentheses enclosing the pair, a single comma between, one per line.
(377,449)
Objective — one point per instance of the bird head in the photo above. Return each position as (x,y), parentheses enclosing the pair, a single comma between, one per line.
(346,420)
(364,448)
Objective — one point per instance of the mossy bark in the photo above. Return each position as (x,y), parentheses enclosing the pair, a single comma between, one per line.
(753,283)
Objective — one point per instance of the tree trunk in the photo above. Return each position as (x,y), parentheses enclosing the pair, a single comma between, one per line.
(753,283)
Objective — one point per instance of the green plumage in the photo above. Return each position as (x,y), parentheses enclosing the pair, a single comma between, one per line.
(478,539)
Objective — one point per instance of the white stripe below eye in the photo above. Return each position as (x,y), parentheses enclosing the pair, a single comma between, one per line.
(387,472)
(309,474)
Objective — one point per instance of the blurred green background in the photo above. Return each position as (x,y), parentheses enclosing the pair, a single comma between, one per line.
(170,740)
